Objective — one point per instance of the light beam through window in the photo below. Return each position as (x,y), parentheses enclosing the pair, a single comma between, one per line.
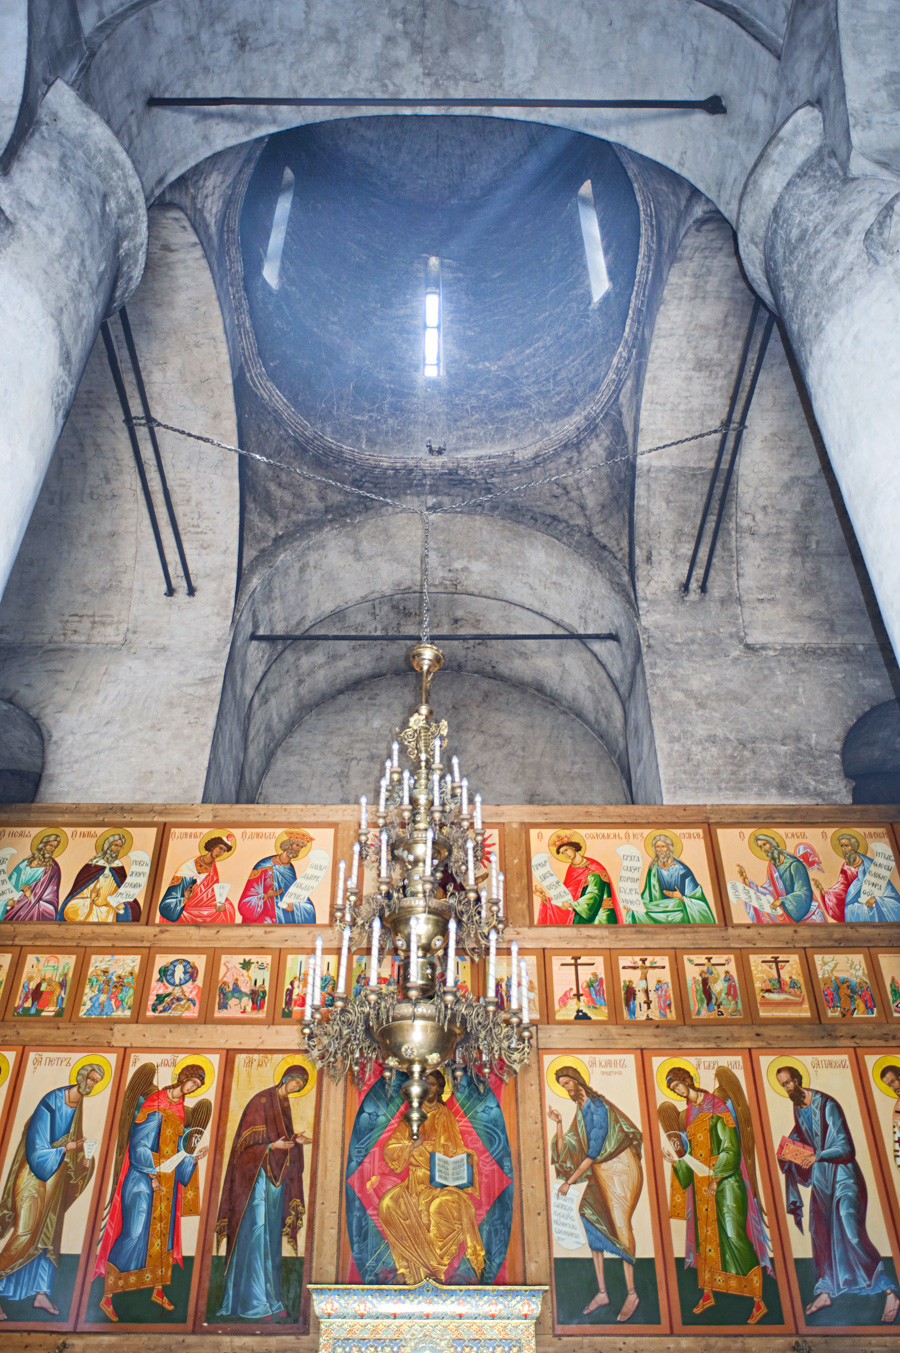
(272,265)
(593,245)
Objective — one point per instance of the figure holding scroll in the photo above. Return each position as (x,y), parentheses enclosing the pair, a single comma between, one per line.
(850,899)
(603,1144)
(671,894)
(196,896)
(92,895)
(587,882)
(267,898)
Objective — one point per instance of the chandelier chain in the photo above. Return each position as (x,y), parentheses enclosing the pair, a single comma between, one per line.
(426,561)
(721,428)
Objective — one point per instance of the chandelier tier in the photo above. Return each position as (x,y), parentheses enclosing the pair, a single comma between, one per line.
(427,908)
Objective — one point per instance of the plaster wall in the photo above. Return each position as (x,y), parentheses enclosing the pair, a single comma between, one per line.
(506,737)
(122,680)
(754,685)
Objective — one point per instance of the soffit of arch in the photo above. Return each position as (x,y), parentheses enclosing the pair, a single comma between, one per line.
(576,49)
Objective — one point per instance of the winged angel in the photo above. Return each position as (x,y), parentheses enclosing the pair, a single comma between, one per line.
(154,1182)
(715,1191)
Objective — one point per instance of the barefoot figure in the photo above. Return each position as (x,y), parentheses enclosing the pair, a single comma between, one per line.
(604,1145)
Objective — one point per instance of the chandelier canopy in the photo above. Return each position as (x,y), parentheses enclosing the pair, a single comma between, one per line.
(427,909)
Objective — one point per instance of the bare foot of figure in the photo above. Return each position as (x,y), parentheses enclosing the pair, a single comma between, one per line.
(2,1314)
(629,1307)
(821,1301)
(42,1302)
(601,1299)
(891,1307)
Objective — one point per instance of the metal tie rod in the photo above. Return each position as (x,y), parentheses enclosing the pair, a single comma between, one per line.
(714,104)
(415,638)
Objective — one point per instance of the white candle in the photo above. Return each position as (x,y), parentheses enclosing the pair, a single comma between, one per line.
(494,872)
(436,789)
(429,851)
(514,975)
(450,979)
(478,812)
(395,755)
(317,974)
(354,864)
(310,973)
(448,787)
(523,977)
(363,813)
(413,949)
(465,797)
(470,862)
(373,954)
(342,870)
(500,881)
(387,768)
(406,789)
(342,969)
(454,762)
(484,904)
(492,965)
(384,854)
(382,794)
(437,752)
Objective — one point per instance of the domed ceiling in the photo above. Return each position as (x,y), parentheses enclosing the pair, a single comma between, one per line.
(334,278)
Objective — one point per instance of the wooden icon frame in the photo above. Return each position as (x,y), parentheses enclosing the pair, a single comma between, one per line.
(675,987)
(792,1020)
(609,977)
(826,1016)
(701,1332)
(27,952)
(151,1327)
(785,1224)
(216,1016)
(114,1020)
(188,951)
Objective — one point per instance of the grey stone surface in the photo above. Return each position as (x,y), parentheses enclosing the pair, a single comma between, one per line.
(754,684)
(514,745)
(124,680)
(21,754)
(72,239)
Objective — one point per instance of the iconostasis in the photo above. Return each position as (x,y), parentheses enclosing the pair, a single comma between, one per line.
(705,1141)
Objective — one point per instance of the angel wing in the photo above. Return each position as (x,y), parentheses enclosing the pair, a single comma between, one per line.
(196,1121)
(138,1088)
(729,1088)
(670,1119)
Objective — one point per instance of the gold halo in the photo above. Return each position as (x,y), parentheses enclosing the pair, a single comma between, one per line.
(565,1061)
(99,1060)
(4,1067)
(296,1060)
(665,1067)
(877,1068)
(558,837)
(48,831)
(197,1059)
(115,831)
(862,844)
(225,834)
(286,835)
(776,1064)
(677,847)
(766,831)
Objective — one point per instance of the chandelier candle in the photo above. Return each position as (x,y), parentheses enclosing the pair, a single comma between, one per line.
(425,909)
(514,975)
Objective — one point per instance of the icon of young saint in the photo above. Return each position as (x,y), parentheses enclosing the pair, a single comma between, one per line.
(196,895)
(594,900)
(154,1181)
(710,1147)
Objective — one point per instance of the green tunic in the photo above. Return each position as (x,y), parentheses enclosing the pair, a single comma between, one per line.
(690,909)
(590,908)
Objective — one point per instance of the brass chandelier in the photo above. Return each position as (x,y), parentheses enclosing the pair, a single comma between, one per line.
(427,909)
